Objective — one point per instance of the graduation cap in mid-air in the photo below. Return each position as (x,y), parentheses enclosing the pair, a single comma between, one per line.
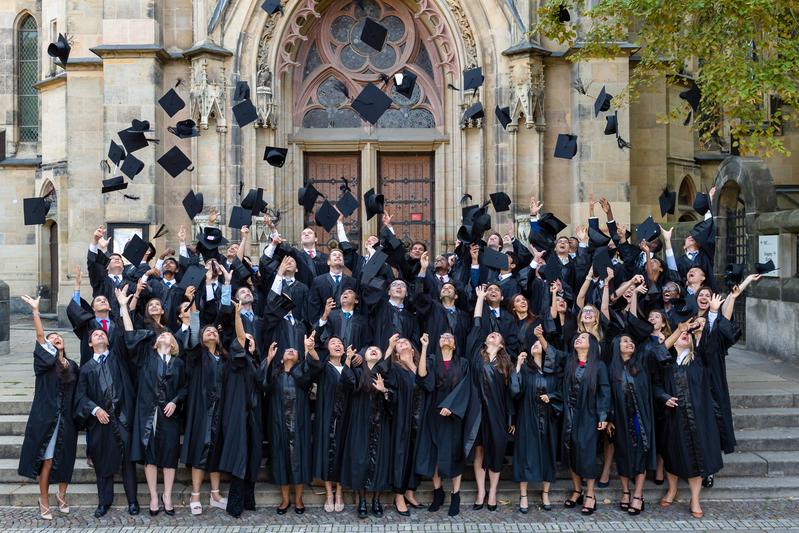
(174,161)
(667,201)
(242,91)
(601,262)
(374,203)
(374,34)
(563,14)
(135,249)
(306,197)
(474,112)
(702,203)
(117,183)
(500,201)
(566,146)
(371,103)
(132,166)
(473,78)
(271,6)
(347,204)
(35,210)
(60,49)
(503,116)
(703,232)
(552,270)
(132,140)
(612,124)
(193,204)
(602,102)
(185,129)
(239,217)
(275,156)
(326,216)
(171,102)
(245,113)
(116,153)
(405,82)
(765,268)
(139,126)
(647,230)
(494,259)
(734,273)
(254,201)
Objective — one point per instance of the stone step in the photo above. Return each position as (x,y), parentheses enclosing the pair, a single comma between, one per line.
(741,397)
(15,405)
(768,439)
(13,424)
(762,417)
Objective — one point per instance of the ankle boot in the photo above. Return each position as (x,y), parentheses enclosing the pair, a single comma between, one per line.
(438,500)
(454,504)
(363,511)
(377,507)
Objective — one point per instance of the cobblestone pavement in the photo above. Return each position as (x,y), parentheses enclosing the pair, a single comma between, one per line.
(771,515)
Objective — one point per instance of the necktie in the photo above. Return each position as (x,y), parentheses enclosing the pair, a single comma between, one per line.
(311,254)
(103,357)
(250,316)
(338,280)
(116,281)
(451,310)
(169,284)
(496,313)
(347,315)
(442,279)
(104,323)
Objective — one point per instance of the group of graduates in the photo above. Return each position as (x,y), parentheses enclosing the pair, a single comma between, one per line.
(372,369)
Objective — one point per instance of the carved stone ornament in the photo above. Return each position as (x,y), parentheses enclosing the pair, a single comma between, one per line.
(465,31)
(527,96)
(442,36)
(264,96)
(292,36)
(207,97)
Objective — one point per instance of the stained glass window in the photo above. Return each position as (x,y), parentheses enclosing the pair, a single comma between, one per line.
(28,74)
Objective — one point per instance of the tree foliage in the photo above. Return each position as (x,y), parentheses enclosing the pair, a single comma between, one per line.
(741,54)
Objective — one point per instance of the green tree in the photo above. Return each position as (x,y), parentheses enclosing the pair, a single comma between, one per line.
(740,53)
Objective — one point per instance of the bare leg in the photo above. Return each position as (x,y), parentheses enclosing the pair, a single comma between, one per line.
(216,478)
(151,474)
(436,480)
(638,492)
(399,502)
(671,494)
(411,497)
(456,484)
(169,482)
(545,493)
(659,469)
(590,497)
(44,482)
(197,477)
(695,485)
(604,477)
(479,476)
(339,496)
(493,483)
(577,487)
(284,496)
(523,504)
(625,490)
(298,496)
(329,497)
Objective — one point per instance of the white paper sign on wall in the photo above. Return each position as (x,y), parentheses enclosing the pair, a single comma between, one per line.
(768,247)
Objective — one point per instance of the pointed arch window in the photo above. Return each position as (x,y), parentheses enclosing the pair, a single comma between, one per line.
(27,75)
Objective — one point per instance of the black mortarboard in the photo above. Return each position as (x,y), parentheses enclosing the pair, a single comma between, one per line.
(211,238)
(563,14)
(703,232)
(469,212)
(735,273)
(271,6)
(637,328)
(174,161)
(601,262)
(612,125)
(132,166)
(59,49)
(494,259)
(160,232)
(500,201)
(374,34)
(472,78)
(240,217)
(185,129)
(647,230)
(275,156)
(373,266)
(139,126)
(667,200)
(692,96)
(371,103)
(602,102)
(193,276)
(116,153)
(135,249)
(552,269)
(306,197)
(284,303)
(171,102)
(765,268)
(132,141)
(254,201)
(245,113)
(242,91)
(473,230)
(193,204)
(702,203)
(374,203)
(503,116)
(682,309)
(347,204)
(114,184)
(541,240)
(327,216)
(566,146)
(406,86)
(35,210)
(551,224)
(597,239)
(474,112)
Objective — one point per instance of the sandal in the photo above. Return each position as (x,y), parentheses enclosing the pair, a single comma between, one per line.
(63,506)
(624,505)
(570,504)
(696,514)
(589,510)
(329,505)
(545,506)
(633,510)
(44,511)
(196,508)
(526,508)
(221,503)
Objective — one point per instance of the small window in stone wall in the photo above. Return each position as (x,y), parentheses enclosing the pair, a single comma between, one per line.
(27,75)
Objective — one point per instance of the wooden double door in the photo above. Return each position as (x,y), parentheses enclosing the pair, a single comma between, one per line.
(405,179)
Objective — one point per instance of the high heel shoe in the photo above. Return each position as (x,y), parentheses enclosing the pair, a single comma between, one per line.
(221,503)
(168,512)
(63,506)
(438,500)
(44,511)
(412,505)
(526,508)
(632,510)
(490,507)
(588,510)
(624,505)
(477,506)
(363,511)
(299,510)
(454,504)
(602,484)
(284,510)
(571,504)
(667,503)
(545,506)
(196,508)
(157,510)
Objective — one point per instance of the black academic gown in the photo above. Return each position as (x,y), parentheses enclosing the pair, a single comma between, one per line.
(156,437)
(436,319)
(406,404)
(442,441)
(324,287)
(536,450)
(330,420)
(109,387)
(496,403)
(53,398)
(290,421)
(366,462)
(723,335)
(83,321)
(357,333)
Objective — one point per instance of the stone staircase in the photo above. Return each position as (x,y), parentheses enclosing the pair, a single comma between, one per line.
(766,415)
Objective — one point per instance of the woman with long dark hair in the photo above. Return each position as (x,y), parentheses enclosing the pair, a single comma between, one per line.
(661,330)
(536,389)
(491,371)
(526,321)
(50,444)
(366,463)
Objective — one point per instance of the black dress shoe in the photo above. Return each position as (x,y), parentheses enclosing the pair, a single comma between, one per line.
(377,508)
(412,505)
(168,512)
(299,510)
(101,511)
(363,511)
(133,509)
(406,512)
(283,510)
(491,507)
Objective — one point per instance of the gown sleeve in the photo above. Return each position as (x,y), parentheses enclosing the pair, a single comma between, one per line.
(603,403)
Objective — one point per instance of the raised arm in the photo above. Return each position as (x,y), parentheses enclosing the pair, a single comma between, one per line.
(553,299)
(245,236)
(729,303)
(123,298)
(241,335)
(480,292)
(422,370)
(33,303)
(584,288)
(606,294)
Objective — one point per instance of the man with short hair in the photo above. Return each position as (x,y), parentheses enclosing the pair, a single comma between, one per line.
(329,285)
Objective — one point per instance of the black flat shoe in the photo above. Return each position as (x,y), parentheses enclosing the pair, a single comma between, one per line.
(377,508)
(438,500)
(454,504)
(571,504)
(133,509)
(657,481)
(589,510)
(632,510)
(283,510)
(168,512)
(708,481)
(406,512)
(299,510)
(154,513)
(624,505)
(523,510)
(545,506)
(101,511)
(603,485)
(412,505)
(363,512)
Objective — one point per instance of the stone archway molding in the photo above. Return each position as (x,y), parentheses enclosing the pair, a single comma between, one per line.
(754,180)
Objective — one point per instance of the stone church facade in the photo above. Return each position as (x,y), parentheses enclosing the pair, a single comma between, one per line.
(58,123)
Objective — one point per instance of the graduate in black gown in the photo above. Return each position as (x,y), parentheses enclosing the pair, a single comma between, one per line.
(288,384)
(693,448)
(366,462)
(586,404)
(661,330)
(402,362)
(441,443)
(48,450)
(85,318)
(105,402)
(491,370)
(536,389)
(161,390)
(330,419)
(526,321)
